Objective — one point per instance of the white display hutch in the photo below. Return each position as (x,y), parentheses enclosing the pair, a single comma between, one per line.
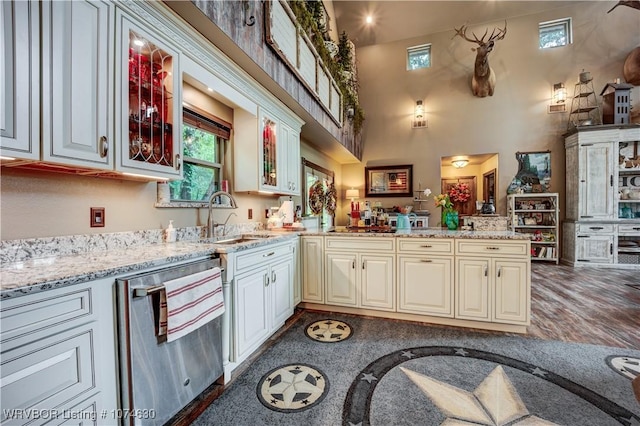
(602,225)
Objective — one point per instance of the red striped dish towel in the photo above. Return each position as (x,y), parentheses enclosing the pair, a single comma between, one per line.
(188,303)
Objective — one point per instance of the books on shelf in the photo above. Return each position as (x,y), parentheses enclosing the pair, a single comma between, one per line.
(544,252)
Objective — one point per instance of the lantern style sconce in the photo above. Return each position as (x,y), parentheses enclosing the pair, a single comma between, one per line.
(458,164)
(558,98)
(419,121)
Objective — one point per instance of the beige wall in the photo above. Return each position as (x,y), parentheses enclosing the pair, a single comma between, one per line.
(514,119)
(44,204)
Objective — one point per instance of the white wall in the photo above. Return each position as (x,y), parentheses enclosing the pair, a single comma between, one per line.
(514,119)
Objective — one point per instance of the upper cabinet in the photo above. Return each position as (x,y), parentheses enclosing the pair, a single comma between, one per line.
(20,80)
(77,83)
(148,101)
(266,153)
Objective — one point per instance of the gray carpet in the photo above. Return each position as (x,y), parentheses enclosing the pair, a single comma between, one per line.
(396,373)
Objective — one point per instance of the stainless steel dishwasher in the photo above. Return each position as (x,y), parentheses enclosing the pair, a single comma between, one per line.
(158,379)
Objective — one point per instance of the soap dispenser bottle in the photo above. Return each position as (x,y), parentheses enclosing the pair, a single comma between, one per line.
(170,233)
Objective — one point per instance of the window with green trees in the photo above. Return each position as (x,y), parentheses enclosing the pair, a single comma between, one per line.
(419,57)
(203,140)
(555,33)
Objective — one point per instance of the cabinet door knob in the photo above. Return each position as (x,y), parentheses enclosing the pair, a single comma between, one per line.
(103,146)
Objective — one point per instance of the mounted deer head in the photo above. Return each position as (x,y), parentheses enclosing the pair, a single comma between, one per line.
(484,79)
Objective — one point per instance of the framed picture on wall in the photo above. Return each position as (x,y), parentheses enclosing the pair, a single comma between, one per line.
(389,181)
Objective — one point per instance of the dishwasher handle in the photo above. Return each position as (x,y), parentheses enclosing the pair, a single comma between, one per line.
(147,291)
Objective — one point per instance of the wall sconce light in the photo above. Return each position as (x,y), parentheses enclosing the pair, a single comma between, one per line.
(458,164)
(418,121)
(353,194)
(558,99)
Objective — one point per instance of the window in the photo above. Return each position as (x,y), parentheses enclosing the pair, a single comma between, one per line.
(419,57)
(555,33)
(203,139)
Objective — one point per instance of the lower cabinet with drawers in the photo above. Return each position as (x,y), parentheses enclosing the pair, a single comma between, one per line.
(58,358)
(481,283)
(263,280)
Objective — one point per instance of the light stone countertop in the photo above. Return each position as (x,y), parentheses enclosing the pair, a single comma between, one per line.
(21,276)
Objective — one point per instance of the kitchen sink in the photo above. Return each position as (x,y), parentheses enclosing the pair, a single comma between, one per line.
(237,240)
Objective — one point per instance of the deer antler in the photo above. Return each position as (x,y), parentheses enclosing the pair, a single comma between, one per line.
(462,32)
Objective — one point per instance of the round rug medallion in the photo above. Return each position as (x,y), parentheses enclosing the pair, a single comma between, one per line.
(626,365)
(292,388)
(329,331)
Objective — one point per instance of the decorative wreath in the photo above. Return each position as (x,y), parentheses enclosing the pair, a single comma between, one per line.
(316,198)
(331,199)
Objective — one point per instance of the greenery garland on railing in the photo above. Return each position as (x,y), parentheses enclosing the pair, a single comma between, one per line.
(309,14)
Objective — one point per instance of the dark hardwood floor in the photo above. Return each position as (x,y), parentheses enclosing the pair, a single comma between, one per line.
(587,305)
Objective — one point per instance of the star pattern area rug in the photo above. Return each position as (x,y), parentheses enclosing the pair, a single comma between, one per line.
(398,373)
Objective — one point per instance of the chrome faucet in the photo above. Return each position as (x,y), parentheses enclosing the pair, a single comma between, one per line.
(224,225)
(211,225)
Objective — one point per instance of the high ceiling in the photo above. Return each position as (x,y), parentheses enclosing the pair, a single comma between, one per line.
(399,20)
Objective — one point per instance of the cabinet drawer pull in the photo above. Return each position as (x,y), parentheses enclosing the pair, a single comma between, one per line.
(353,265)
(178,162)
(583,236)
(493,248)
(596,228)
(426,260)
(266,280)
(485,271)
(103,146)
(636,228)
(269,254)
(273,276)
(426,246)
(499,272)
(363,264)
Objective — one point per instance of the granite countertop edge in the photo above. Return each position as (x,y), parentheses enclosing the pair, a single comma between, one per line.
(47,273)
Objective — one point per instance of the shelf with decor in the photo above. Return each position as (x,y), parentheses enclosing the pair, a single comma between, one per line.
(536,214)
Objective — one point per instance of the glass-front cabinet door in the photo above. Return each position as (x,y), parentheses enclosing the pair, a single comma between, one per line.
(150,103)
(269,136)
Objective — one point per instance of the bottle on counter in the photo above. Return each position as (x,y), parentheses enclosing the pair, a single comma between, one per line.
(170,233)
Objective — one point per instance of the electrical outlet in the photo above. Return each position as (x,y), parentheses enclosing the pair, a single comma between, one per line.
(250,214)
(97,217)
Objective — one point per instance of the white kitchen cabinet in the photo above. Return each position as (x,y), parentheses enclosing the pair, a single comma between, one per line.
(425,276)
(493,281)
(251,303)
(341,279)
(425,285)
(77,83)
(20,80)
(291,165)
(363,276)
(149,104)
(263,295)
(312,269)
(267,152)
(297,272)
(594,248)
(58,352)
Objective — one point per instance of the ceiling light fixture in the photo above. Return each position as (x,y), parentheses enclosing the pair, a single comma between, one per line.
(369,19)
(458,164)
